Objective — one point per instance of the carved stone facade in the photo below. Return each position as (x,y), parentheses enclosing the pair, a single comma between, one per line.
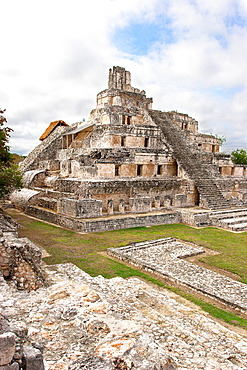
(126,159)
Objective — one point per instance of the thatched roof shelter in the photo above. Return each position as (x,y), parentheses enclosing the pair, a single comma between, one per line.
(51,128)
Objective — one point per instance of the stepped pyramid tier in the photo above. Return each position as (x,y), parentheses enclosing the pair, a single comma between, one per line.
(127,165)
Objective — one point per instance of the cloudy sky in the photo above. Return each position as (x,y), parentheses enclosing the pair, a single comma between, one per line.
(189,55)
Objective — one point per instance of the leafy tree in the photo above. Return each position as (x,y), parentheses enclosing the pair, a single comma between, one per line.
(221,138)
(239,156)
(10,177)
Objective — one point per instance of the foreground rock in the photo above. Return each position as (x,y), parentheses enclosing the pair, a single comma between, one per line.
(83,322)
(60,318)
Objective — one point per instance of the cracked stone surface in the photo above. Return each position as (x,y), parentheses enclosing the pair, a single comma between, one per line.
(85,322)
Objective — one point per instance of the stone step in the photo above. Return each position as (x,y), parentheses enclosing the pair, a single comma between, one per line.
(234,220)
(195,162)
(239,227)
(225,212)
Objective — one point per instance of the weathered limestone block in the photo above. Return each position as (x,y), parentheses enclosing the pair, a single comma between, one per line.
(196,219)
(98,327)
(115,348)
(32,249)
(238,171)
(33,359)
(141,204)
(4,324)
(22,262)
(65,167)
(14,366)
(50,181)
(179,200)
(20,198)
(54,165)
(7,347)
(80,208)
(34,178)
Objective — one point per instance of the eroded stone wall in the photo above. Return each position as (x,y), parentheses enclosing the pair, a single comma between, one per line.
(20,271)
(20,259)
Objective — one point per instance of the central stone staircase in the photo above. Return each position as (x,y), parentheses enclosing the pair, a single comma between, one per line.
(197,163)
(232,219)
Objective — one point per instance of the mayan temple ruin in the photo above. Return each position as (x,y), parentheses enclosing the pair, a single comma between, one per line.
(129,165)
(126,166)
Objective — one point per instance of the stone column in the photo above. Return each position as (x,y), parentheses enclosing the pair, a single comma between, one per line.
(167,201)
(157,202)
(121,206)
(110,207)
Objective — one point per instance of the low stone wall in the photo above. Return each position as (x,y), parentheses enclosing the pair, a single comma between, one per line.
(20,262)
(115,222)
(57,219)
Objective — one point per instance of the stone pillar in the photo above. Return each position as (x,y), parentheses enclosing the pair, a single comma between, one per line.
(167,201)
(127,78)
(157,202)
(121,206)
(110,207)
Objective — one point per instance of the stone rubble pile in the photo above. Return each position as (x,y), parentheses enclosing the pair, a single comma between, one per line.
(85,322)
(20,270)
(164,257)
(20,259)
(15,353)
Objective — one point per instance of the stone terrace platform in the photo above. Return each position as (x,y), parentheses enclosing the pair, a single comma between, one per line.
(165,258)
(234,219)
(106,222)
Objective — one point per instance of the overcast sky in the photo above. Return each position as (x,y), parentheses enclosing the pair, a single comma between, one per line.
(189,55)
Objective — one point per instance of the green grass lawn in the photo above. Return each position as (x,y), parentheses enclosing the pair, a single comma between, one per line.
(84,250)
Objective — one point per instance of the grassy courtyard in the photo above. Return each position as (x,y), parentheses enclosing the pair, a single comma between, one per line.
(85,250)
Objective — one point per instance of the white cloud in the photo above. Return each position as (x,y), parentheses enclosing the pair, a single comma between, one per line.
(57,55)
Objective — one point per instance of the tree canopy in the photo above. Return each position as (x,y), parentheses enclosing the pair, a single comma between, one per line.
(239,156)
(10,177)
